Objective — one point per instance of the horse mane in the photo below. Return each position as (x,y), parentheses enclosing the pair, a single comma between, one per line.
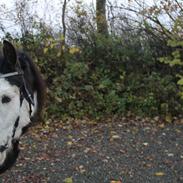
(38,83)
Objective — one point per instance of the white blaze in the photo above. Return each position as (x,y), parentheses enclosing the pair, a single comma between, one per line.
(9,113)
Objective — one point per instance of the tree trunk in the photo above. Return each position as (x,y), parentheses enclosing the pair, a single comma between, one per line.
(102,27)
(63,22)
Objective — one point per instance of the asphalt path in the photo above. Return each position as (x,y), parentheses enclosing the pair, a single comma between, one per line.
(111,152)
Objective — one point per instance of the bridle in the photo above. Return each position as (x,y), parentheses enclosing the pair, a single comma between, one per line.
(24,94)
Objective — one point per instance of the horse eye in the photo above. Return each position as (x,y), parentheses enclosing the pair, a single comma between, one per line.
(5,99)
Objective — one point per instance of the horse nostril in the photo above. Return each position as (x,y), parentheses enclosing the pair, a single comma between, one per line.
(3,148)
(15,142)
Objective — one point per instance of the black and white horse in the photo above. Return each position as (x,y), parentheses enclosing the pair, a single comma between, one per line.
(21,100)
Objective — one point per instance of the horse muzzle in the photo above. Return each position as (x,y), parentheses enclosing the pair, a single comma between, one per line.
(8,156)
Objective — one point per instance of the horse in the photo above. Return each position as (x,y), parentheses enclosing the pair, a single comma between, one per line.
(22,93)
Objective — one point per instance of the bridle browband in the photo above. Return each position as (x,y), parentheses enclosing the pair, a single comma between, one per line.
(10,74)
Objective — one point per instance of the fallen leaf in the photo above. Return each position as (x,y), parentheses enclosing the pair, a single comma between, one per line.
(87,150)
(145,144)
(81,169)
(170,154)
(115,181)
(168,118)
(69,143)
(68,180)
(116,137)
(178,131)
(162,125)
(159,174)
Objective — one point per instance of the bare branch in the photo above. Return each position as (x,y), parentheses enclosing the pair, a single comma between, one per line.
(179,5)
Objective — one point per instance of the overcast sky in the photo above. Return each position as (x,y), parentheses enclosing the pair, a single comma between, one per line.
(49,10)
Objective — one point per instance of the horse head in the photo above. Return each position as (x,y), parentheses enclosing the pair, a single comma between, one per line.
(21,95)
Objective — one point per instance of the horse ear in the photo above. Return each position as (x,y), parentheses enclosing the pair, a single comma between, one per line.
(9,53)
